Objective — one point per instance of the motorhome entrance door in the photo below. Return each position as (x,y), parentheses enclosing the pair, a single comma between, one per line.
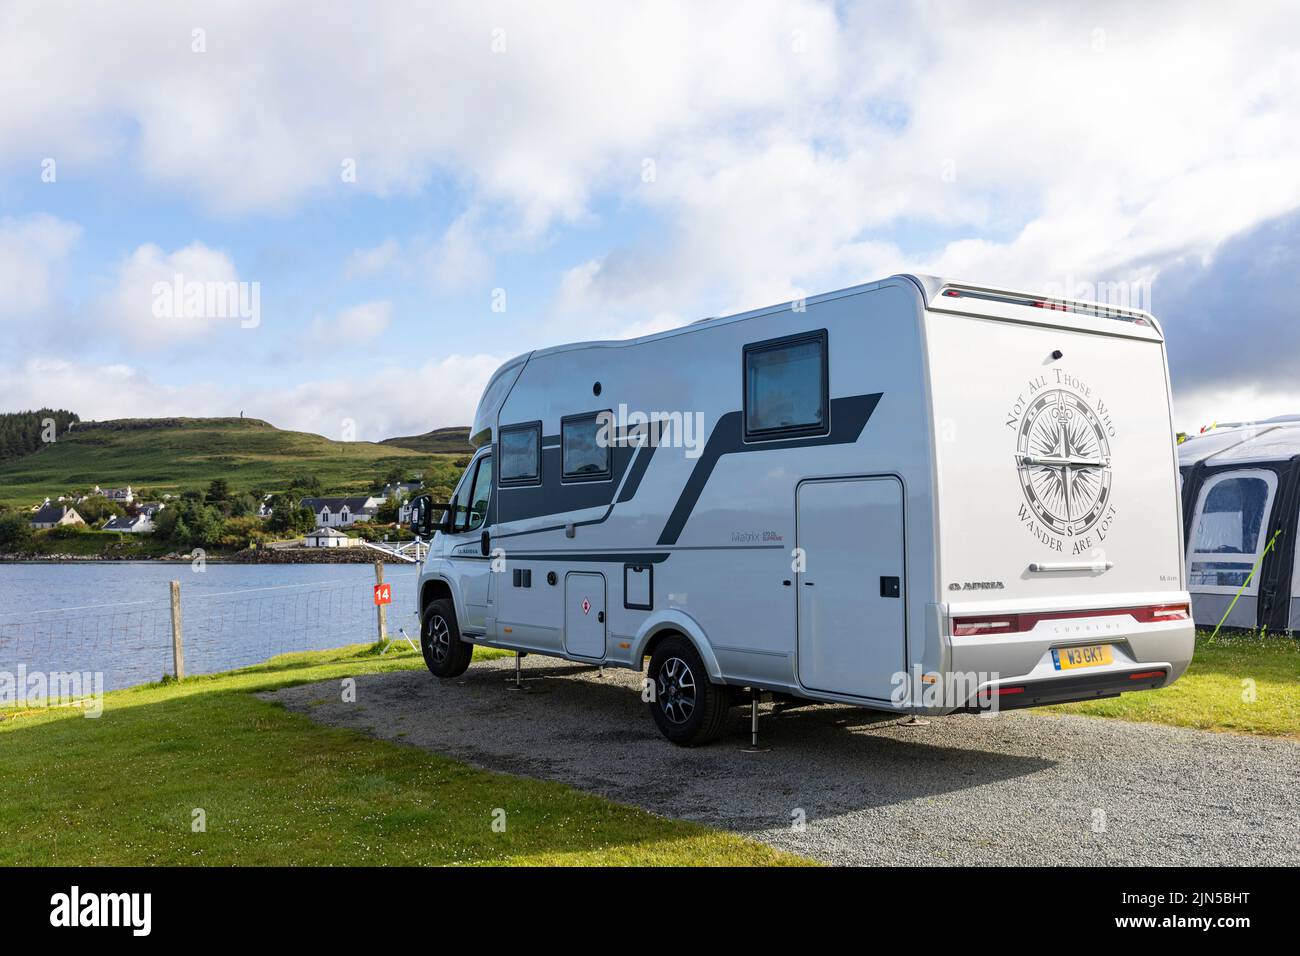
(850,593)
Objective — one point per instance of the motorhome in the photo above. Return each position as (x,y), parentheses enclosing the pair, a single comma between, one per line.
(914,495)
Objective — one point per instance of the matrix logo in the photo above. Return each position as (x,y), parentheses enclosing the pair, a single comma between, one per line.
(75,908)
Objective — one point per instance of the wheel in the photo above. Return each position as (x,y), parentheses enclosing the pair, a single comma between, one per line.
(445,654)
(688,709)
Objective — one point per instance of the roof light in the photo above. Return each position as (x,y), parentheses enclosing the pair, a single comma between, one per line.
(1053,305)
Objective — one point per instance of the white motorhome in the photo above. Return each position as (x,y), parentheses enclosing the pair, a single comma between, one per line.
(913,495)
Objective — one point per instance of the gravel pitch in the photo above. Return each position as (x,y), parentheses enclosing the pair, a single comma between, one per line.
(1020,788)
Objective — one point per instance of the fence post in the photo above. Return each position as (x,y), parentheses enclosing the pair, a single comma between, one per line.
(178,650)
(381,612)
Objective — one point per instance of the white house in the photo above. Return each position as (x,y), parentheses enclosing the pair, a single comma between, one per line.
(342,512)
(138,524)
(121,495)
(329,538)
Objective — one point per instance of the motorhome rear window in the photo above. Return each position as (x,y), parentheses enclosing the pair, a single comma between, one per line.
(585,456)
(521,454)
(786,387)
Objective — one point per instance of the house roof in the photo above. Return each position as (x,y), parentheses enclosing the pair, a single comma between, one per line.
(123,523)
(327,533)
(50,513)
(354,503)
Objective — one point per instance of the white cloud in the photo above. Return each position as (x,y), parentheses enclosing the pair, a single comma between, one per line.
(153,300)
(33,257)
(358,324)
(447,391)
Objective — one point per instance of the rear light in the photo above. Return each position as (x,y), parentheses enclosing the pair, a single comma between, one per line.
(1019,623)
(1002,691)
(1145,675)
(1162,612)
(1001,624)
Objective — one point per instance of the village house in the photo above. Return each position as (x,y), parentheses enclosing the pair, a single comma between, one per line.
(329,538)
(54,516)
(342,512)
(123,496)
(149,509)
(138,524)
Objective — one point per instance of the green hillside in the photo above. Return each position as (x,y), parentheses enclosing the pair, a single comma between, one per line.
(175,454)
(440,441)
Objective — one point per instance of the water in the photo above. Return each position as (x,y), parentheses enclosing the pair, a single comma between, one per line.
(115,617)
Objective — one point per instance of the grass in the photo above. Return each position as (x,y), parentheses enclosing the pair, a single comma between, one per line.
(172,455)
(119,545)
(1214,693)
(279,789)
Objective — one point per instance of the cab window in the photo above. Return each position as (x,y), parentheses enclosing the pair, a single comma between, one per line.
(470,517)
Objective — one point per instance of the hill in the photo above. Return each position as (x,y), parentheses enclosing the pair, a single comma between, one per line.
(175,454)
(440,441)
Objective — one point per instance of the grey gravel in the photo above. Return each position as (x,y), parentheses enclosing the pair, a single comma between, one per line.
(1021,788)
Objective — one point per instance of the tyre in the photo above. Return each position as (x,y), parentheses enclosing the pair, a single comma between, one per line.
(445,654)
(687,708)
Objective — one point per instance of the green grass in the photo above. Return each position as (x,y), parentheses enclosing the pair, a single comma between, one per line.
(279,789)
(172,455)
(440,441)
(1213,694)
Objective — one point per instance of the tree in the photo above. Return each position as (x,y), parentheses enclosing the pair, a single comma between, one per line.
(15,532)
(306,483)
(287,516)
(388,510)
(218,490)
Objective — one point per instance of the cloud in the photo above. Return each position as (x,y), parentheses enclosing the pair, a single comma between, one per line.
(365,403)
(358,324)
(1233,325)
(33,258)
(159,298)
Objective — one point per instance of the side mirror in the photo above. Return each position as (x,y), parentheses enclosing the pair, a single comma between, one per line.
(422,512)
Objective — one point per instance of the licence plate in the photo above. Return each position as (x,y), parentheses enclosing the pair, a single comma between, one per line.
(1068,658)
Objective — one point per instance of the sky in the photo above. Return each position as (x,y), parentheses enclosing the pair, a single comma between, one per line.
(404,195)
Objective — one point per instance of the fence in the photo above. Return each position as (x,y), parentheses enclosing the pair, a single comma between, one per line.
(136,643)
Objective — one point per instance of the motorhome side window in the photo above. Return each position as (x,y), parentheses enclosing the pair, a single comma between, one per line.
(521,454)
(585,457)
(786,387)
(480,492)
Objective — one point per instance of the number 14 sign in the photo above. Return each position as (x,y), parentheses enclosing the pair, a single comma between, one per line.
(383,594)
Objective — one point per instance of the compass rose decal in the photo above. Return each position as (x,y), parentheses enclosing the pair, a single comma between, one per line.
(1063,456)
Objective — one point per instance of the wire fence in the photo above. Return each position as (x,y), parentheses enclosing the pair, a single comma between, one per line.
(131,643)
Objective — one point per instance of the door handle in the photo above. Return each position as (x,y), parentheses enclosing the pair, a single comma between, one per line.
(808,584)
(600,617)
